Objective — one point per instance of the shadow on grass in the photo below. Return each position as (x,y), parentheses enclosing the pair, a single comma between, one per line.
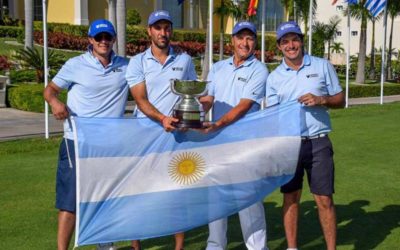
(356,227)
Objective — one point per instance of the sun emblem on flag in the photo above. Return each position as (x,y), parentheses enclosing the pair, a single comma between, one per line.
(187,168)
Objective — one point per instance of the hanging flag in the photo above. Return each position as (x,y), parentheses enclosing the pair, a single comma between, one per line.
(348,1)
(252,10)
(135,181)
(180,2)
(375,6)
(352,1)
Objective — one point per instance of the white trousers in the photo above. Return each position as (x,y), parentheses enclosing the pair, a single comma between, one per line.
(252,222)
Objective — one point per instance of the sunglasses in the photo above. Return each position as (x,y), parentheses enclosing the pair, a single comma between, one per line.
(103,36)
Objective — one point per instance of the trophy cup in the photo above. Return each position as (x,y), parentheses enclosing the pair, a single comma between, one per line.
(188,110)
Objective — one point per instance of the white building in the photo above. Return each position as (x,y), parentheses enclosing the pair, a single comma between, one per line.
(325,11)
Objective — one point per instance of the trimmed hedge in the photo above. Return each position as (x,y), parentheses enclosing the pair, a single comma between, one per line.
(135,33)
(11,31)
(27,75)
(71,29)
(369,90)
(29,97)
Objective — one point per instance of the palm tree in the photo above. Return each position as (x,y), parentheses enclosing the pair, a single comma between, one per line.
(28,23)
(336,47)
(359,12)
(121,26)
(33,58)
(227,8)
(331,32)
(289,7)
(302,12)
(393,9)
(319,38)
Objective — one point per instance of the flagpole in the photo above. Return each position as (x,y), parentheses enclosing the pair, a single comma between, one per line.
(263,31)
(348,55)
(210,37)
(210,47)
(383,51)
(46,68)
(310,27)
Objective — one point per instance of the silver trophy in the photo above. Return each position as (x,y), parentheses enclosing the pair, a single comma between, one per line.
(188,110)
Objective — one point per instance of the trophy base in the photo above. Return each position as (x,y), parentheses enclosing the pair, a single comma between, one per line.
(189,119)
(188,125)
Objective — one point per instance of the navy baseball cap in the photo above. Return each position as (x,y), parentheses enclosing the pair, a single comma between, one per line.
(99,26)
(244,25)
(159,15)
(286,28)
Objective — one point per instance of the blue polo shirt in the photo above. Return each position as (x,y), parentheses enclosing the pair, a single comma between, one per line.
(144,67)
(93,90)
(228,84)
(316,76)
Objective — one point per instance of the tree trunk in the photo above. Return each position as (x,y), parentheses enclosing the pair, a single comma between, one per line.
(360,77)
(389,57)
(221,32)
(39,75)
(1,9)
(372,62)
(221,46)
(306,26)
(329,50)
(111,18)
(121,27)
(28,23)
(221,38)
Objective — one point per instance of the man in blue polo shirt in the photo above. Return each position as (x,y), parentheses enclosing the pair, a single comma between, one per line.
(96,88)
(149,75)
(237,87)
(313,82)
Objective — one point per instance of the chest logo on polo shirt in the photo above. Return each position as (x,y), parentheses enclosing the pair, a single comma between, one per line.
(177,68)
(242,79)
(312,75)
(117,70)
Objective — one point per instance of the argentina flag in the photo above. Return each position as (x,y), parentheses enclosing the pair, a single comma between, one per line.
(135,181)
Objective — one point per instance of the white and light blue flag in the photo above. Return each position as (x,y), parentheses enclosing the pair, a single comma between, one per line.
(375,6)
(135,181)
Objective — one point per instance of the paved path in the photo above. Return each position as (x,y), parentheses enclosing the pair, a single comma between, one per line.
(16,124)
(374,100)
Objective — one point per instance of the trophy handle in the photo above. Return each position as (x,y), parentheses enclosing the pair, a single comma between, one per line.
(172,83)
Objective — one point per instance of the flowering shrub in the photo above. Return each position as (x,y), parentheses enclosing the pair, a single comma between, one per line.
(62,41)
(133,47)
(4,64)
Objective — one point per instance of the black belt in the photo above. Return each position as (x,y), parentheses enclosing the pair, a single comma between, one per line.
(313,137)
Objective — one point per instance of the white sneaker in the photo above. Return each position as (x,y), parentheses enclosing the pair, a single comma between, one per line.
(106,246)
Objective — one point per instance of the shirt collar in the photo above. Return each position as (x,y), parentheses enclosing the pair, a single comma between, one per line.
(149,54)
(306,62)
(246,63)
(90,54)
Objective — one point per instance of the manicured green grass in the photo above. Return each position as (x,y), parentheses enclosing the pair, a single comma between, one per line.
(366,144)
